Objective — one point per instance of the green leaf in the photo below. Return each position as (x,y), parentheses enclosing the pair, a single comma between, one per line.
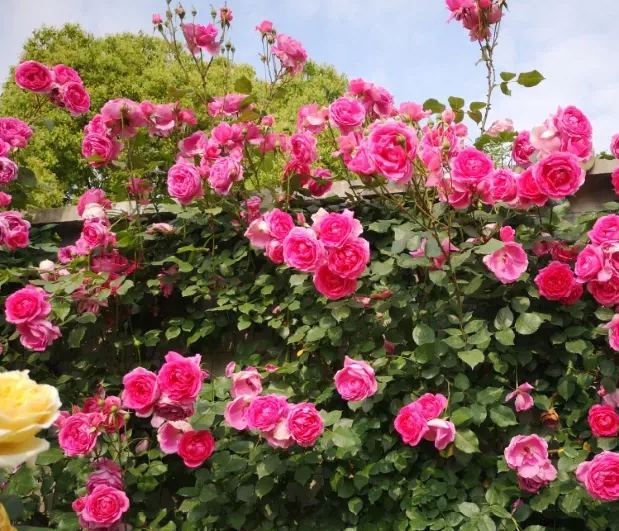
(355,505)
(571,501)
(505,89)
(477,105)
(503,416)
(528,323)
(344,437)
(505,337)
(530,79)
(433,105)
(315,334)
(423,334)
(264,486)
(507,76)
(455,103)
(468,509)
(297,280)
(466,441)
(49,457)
(76,336)
(243,85)
(504,318)
(490,246)
(471,357)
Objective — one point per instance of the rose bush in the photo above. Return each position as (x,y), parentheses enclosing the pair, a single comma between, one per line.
(419,352)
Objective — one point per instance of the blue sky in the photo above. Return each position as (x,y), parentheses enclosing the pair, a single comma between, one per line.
(405,45)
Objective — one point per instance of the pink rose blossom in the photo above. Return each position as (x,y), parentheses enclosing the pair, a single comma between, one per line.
(526,454)
(266,411)
(5,200)
(224,173)
(156,19)
(266,26)
(600,476)
(27,305)
(430,406)
(184,183)
(200,37)
(501,185)
(305,424)
(303,250)
(99,149)
(442,432)
(140,391)
(15,132)
(227,105)
(274,251)
(393,146)
(75,98)
(180,378)
(78,434)
(411,425)
(413,111)
(556,281)
(335,228)
(589,263)
(603,420)
(122,117)
(333,286)
(349,260)
(8,171)
(290,52)
(236,411)
(246,383)
(523,150)
(169,435)
(559,175)
(545,138)
(279,223)
(613,333)
(605,230)
(469,168)
(356,381)
(524,400)
(168,409)
(312,118)
(34,76)
(107,472)
(103,507)
(346,114)
(37,335)
(321,182)
(614,145)
(500,126)
(529,192)
(509,262)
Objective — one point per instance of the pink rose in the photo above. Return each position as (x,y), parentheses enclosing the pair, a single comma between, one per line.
(266,411)
(335,228)
(290,52)
(605,230)
(321,182)
(312,118)
(430,406)
(180,379)
(34,76)
(279,436)
(140,391)
(258,233)
(393,146)
(356,381)
(156,19)
(346,114)
(559,175)
(545,138)
(107,472)
(526,453)
(37,335)
(199,37)
(184,183)
(169,435)
(614,179)
(303,250)
(362,161)
(161,118)
(571,122)
(600,476)
(589,263)
(524,400)
(529,192)
(15,132)
(122,116)
(507,263)
(75,98)
(246,383)
(266,26)
(279,223)
(8,170)
(500,126)
(523,150)
(613,332)
(104,507)
(333,286)
(556,281)
(411,426)
(224,173)
(236,412)
(100,150)
(78,434)
(605,293)
(469,168)
(442,432)
(227,105)
(5,200)
(413,111)
(65,74)
(274,251)
(500,185)
(603,421)
(614,145)
(303,148)
(305,424)
(350,258)
(27,305)
(92,195)
(97,233)
(173,410)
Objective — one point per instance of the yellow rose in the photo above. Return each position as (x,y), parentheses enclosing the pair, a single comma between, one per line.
(5,523)
(26,408)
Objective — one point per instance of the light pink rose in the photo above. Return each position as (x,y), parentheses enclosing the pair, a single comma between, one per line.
(523,150)
(600,476)
(356,381)
(266,26)
(430,405)
(362,161)
(589,263)
(411,425)
(227,105)
(37,335)
(200,37)
(236,411)
(246,383)
(140,391)
(613,332)
(279,223)
(545,138)
(346,114)
(99,149)
(303,147)
(290,52)
(333,286)
(180,379)
(258,233)
(34,76)
(8,171)
(104,507)
(224,173)
(169,435)
(156,19)
(509,262)
(393,146)
(312,118)
(96,232)
(193,145)
(413,111)
(106,472)
(349,260)
(305,424)
(469,168)
(184,183)
(123,117)
(500,126)
(266,411)
(334,228)
(27,305)
(279,437)
(75,98)
(161,118)
(303,250)
(614,145)
(526,453)
(442,432)
(559,175)
(605,230)
(90,196)
(78,434)
(522,394)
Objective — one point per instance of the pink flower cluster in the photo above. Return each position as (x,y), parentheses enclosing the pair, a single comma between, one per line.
(193,446)
(14,229)
(600,476)
(29,308)
(420,420)
(105,502)
(331,249)
(122,118)
(278,421)
(477,16)
(356,381)
(14,135)
(528,456)
(61,83)
(510,261)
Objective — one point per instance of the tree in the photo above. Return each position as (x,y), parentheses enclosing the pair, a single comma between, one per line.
(135,66)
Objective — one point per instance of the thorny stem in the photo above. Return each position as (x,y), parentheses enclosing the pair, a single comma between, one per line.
(487,56)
